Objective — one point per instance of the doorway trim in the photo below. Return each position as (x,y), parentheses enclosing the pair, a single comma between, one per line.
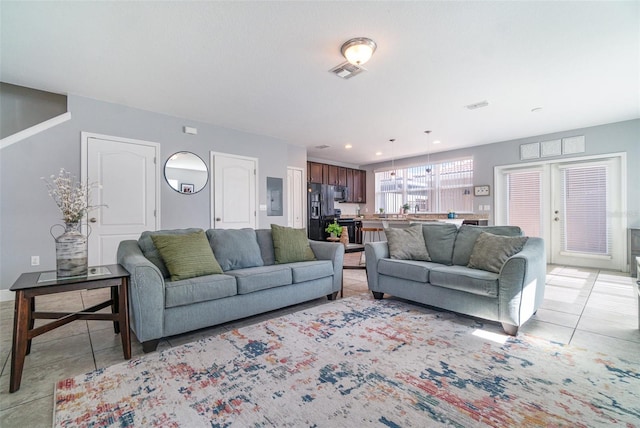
(499,209)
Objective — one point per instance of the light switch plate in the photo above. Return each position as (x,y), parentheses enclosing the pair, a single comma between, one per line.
(481,190)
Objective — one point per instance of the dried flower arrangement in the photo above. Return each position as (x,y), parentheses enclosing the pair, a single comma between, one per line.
(71,196)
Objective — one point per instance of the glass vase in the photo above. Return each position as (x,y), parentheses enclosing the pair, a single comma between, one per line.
(71,251)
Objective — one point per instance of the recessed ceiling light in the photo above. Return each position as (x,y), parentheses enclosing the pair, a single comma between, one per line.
(348,146)
(437,142)
(378,153)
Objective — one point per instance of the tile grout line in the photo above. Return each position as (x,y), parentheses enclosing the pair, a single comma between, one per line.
(585,306)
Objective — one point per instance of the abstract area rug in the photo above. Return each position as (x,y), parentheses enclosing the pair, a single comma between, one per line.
(358,362)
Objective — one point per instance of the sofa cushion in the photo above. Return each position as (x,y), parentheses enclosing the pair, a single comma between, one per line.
(440,238)
(186,256)
(407,243)
(308,271)
(235,248)
(466,239)
(261,278)
(265,242)
(466,279)
(492,251)
(151,252)
(406,269)
(200,289)
(291,245)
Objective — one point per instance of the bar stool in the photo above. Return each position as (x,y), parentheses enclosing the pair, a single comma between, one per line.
(370,232)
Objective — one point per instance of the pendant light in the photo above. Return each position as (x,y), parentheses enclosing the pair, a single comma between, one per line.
(428,169)
(393,169)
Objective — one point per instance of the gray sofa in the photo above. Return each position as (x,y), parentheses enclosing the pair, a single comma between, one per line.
(251,283)
(511,296)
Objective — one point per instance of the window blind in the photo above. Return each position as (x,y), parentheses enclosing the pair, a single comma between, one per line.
(439,187)
(524,204)
(585,225)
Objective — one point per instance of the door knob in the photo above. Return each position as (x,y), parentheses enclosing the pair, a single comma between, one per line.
(92,220)
(218,219)
(556,219)
(556,212)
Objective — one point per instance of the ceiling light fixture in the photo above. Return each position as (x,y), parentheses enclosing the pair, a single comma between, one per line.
(348,146)
(359,50)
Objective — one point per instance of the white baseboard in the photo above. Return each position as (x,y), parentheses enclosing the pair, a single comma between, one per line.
(6,295)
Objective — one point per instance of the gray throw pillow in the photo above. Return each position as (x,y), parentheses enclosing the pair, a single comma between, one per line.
(490,251)
(407,243)
(235,248)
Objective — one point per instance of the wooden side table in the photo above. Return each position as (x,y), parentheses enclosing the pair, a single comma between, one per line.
(30,285)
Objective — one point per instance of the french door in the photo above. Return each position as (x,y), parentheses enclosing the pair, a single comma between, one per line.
(571,205)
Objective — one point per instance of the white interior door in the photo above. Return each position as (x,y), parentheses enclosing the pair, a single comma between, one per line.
(234,191)
(296,198)
(128,197)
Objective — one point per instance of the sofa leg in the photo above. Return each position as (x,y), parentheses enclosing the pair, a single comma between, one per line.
(377,295)
(150,345)
(332,296)
(511,330)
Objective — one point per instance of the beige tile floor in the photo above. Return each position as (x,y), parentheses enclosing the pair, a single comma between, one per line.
(584,307)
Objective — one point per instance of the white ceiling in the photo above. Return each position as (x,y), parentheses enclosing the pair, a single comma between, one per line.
(263,67)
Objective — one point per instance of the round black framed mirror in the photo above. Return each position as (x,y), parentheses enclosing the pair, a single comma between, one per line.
(186,173)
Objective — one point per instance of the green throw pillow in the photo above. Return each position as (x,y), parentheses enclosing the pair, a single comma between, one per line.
(407,243)
(491,251)
(186,256)
(291,245)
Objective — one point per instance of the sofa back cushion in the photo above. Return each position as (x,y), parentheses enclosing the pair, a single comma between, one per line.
(466,239)
(235,248)
(440,238)
(151,252)
(265,242)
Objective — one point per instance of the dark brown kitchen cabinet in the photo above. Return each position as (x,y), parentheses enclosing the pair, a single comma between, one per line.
(342,176)
(314,172)
(333,175)
(354,179)
(350,175)
(359,190)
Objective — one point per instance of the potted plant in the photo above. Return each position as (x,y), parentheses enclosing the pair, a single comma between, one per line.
(334,229)
(405,208)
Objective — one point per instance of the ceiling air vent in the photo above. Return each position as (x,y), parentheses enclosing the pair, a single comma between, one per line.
(322,147)
(347,70)
(477,105)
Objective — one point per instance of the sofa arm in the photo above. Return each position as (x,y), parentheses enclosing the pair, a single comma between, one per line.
(146,292)
(521,283)
(334,252)
(374,251)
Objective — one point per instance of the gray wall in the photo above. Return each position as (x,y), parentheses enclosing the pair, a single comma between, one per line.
(611,138)
(22,108)
(27,212)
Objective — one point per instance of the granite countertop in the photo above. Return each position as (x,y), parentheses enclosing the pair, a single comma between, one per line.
(419,217)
